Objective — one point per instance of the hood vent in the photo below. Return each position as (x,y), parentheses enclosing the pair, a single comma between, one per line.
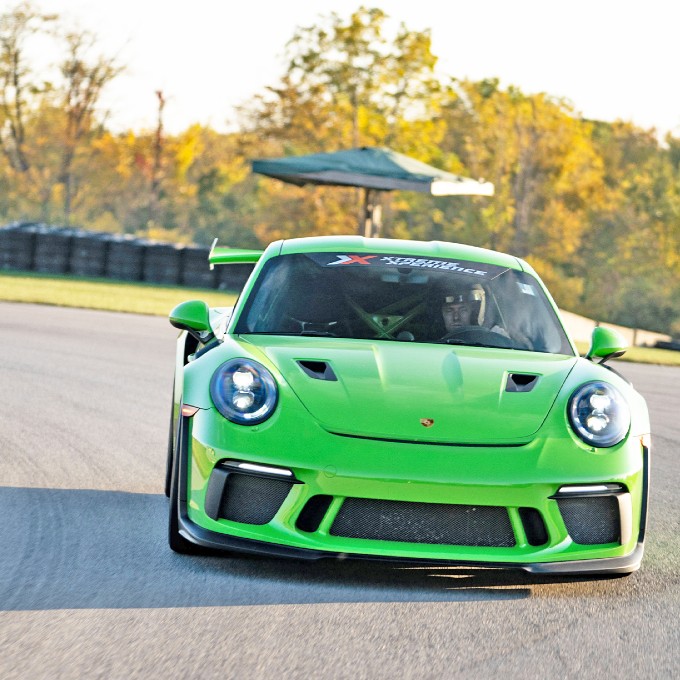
(521,382)
(319,370)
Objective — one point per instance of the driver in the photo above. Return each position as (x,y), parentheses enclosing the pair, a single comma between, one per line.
(466,309)
(463,307)
(456,312)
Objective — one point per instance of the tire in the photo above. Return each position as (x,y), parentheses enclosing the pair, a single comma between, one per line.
(171,446)
(176,541)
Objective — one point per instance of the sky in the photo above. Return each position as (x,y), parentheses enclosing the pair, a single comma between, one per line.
(611,59)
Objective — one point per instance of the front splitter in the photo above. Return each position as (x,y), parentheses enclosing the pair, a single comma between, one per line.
(209,539)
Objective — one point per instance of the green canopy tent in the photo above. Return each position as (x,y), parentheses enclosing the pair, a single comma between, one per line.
(374,170)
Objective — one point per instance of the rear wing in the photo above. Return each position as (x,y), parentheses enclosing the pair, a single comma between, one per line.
(224,255)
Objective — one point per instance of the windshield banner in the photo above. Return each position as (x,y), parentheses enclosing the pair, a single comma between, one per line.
(476,269)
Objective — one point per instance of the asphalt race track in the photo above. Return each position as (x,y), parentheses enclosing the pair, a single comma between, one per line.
(89,588)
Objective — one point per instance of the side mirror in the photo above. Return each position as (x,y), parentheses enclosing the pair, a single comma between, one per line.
(192,316)
(606,343)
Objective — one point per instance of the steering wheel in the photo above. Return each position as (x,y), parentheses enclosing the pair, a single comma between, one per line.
(479,335)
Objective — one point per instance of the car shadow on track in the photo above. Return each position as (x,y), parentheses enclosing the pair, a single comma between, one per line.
(73,549)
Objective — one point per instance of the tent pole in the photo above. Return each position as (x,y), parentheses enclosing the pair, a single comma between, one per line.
(376,216)
(361,209)
(368,214)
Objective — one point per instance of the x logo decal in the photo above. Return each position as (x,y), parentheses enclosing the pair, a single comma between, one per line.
(353,259)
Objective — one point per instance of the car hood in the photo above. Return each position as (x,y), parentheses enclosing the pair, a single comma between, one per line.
(418,392)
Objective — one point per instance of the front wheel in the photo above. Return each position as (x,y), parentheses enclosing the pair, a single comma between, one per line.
(176,541)
(171,446)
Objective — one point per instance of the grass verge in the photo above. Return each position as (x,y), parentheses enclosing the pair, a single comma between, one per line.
(105,294)
(652,355)
(147,298)
(641,355)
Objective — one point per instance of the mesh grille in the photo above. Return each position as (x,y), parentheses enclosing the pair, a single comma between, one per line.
(591,521)
(253,500)
(433,523)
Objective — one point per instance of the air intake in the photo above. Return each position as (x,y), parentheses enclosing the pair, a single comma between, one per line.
(534,526)
(431,523)
(319,370)
(591,520)
(521,382)
(250,499)
(313,513)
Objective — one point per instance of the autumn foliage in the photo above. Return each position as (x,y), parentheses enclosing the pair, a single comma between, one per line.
(593,206)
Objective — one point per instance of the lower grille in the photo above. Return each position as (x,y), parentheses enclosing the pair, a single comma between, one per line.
(591,520)
(433,523)
(253,500)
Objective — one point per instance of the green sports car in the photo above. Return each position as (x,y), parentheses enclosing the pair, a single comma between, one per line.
(402,400)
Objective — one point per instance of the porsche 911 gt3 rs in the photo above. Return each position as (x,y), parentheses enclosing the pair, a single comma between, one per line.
(402,400)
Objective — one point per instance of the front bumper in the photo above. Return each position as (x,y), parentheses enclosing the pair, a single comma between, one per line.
(512,478)
(218,541)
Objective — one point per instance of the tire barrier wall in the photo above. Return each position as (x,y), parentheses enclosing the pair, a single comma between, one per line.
(30,246)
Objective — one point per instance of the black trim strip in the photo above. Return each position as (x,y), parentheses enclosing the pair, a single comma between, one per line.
(431,443)
(612,490)
(646,455)
(232,466)
(183,461)
(609,565)
(214,494)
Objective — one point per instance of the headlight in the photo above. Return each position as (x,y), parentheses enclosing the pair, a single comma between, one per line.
(599,414)
(244,391)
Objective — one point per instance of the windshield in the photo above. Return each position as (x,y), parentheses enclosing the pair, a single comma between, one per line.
(404,299)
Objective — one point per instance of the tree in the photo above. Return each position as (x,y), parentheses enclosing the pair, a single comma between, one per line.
(341,62)
(16,79)
(157,171)
(632,249)
(84,78)
(547,173)
(348,85)
(46,128)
